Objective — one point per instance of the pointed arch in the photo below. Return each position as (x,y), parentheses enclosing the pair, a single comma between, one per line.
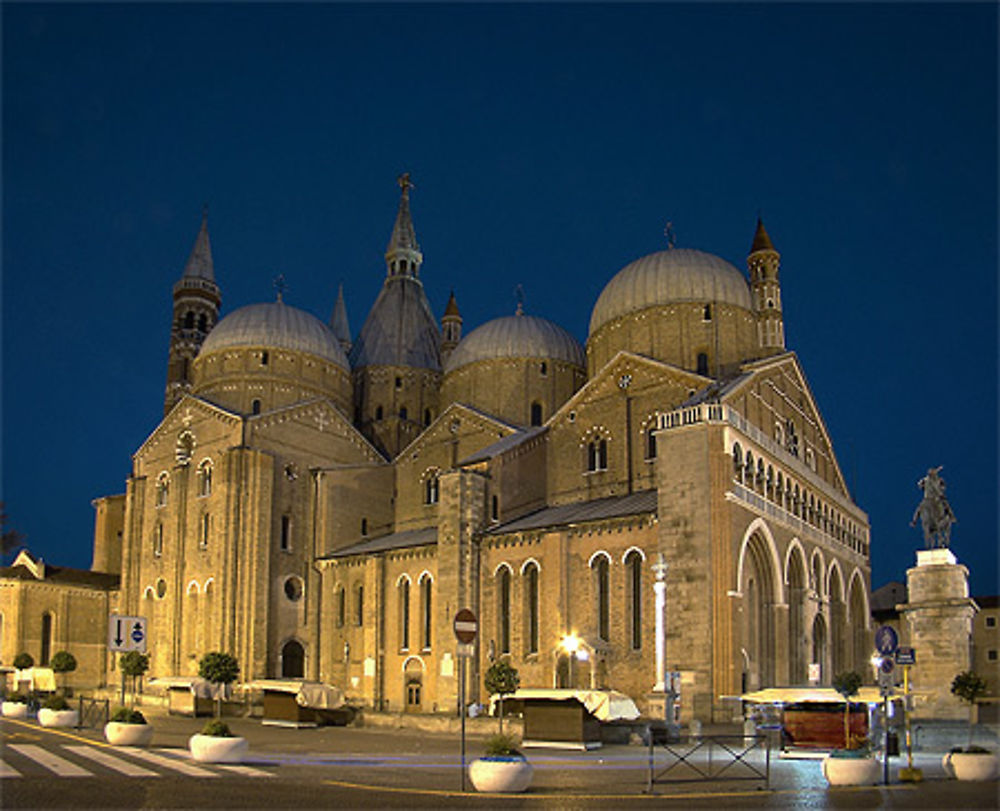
(795,548)
(631,549)
(600,553)
(530,562)
(817,567)
(758,527)
(504,565)
(192,588)
(835,577)
(857,586)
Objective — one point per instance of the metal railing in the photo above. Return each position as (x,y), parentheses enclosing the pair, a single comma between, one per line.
(711,757)
(92,713)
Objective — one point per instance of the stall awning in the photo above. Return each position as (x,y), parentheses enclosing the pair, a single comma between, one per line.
(604,705)
(797,695)
(310,694)
(38,678)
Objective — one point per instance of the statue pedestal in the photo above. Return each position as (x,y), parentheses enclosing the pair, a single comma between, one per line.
(939,615)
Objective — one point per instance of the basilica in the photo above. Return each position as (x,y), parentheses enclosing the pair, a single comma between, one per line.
(319,503)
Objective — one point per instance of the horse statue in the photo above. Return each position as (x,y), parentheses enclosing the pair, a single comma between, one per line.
(934,511)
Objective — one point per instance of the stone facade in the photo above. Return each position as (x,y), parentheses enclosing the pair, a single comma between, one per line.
(325,518)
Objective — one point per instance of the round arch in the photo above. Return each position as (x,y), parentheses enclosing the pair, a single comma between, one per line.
(632,549)
(530,562)
(293,659)
(600,553)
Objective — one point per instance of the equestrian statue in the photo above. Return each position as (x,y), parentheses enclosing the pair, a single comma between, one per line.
(934,511)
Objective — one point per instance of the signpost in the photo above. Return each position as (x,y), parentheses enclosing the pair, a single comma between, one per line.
(907,657)
(126,634)
(466,627)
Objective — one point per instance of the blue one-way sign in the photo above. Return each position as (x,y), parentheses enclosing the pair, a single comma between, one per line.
(126,633)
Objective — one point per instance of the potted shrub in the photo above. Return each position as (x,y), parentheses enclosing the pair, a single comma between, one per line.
(501,679)
(133,665)
(23,661)
(502,769)
(56,712)
(128,728)
(217,744)
(63,662)
(15,706)
(221,669)
(970,762)
(853,765)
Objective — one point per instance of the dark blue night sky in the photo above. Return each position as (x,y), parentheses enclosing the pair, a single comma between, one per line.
(549,146)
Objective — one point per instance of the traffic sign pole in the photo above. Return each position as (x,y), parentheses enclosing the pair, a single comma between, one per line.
(465,626)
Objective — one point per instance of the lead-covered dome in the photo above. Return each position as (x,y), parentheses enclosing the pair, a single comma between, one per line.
(275,325)
(666,277)
(517,336)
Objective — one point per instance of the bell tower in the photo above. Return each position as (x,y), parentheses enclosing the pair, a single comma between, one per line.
(197,299)
(451,328)
(763,264)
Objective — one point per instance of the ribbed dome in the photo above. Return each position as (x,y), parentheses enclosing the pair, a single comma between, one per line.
(665,277)
(278,326)
(517,336)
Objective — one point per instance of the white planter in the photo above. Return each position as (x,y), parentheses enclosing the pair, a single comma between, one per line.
(970,765)
(57,718)
(850,771)
(119,734)
(212,749)
(502,773)
(14,709)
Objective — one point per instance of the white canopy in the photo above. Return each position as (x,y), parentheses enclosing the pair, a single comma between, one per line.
(604,705)
(795,695)
(310,694)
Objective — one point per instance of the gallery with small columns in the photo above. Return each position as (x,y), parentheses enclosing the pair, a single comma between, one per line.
(662,498)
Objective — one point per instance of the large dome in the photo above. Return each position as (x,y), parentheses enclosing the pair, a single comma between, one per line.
(517,336)
(275,325)
(666,277)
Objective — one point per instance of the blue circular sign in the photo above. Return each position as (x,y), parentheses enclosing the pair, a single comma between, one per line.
(137,633)
(886,640)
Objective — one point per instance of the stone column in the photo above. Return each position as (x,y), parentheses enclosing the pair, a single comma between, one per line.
(939,614)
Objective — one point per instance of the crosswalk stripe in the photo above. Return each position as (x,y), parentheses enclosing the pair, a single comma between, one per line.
(112,762)
(49,760)
(247,771)
(8,771)
(168,762)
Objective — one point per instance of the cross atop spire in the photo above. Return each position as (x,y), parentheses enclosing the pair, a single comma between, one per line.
(668,232)
(405,184)
(280,285)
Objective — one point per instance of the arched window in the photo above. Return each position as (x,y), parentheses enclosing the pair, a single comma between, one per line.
(255,407)
(738,462)
(189,320)
(531,607)
(707,313)
(495,508)
(378,412)
(341,603)
(206,528)
(286,533)
(203,323)
(264,358)
(158,540)
(536,413)
(543,368)
(503,609)
(427,417)
(162,489)
(364,526)
(597,455)
(650,444)
(404,613)
(426,615)
(431,488)
(702,364)
(205,478)
(602,591)
(633,592)
(293,660)
(359,605)
(46,652)
(403,413)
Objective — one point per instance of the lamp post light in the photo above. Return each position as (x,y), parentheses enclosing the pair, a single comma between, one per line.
(660,591)
(570,643)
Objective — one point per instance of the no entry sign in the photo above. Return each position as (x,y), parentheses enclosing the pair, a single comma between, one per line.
(466,625)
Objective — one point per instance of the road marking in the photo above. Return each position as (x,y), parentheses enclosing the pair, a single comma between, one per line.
(8,771)
(247,771)
(112,762)
(168,762)
(50,761)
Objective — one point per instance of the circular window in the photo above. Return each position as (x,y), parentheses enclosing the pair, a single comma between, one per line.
(161,588)
(293,589)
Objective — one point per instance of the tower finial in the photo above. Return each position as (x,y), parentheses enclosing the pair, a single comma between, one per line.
(405,183)
(280,285)
(402,256)
(519,296)
(668,232)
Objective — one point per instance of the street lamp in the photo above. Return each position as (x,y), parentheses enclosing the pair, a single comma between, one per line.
(571,644)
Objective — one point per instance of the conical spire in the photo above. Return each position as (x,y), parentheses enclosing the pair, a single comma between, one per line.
(451,308)
(402,256)
(338,321)
(761,241)
(199,263)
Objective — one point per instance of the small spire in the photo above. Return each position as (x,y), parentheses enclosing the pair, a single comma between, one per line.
(668,232)
(338,321)
(761,241)
(280,285)
(199,263)
(519,295)
(451,308)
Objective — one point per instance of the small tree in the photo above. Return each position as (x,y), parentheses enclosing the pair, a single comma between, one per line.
(501,679)
(847,684)
(63,662)
(23,661)
(133,664)
(968,686)
(221,669)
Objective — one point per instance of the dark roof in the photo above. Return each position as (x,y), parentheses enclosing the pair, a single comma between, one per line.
(582,512)
(887,597)
(64,575)
(502,446)
(386,543)
(988,601)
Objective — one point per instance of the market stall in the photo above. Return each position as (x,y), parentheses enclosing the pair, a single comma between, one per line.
(294,703)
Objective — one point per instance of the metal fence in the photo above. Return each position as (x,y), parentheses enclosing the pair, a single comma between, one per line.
(710,757)
(93,713)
